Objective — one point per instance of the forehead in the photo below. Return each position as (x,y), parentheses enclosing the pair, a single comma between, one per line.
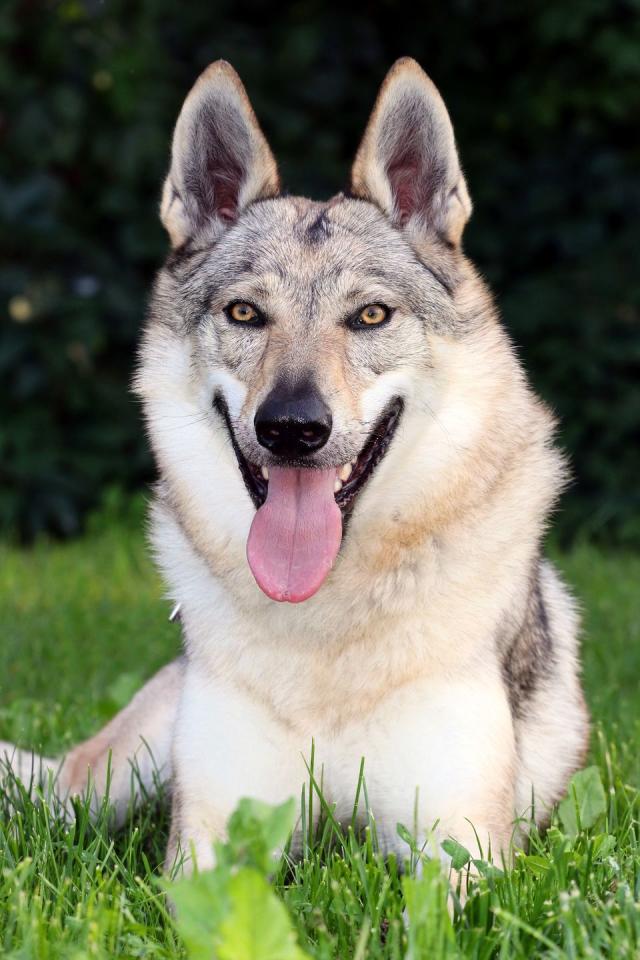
(295,245)
(296,241)
(295,235)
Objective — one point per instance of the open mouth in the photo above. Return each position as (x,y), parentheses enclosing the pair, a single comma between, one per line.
(350,477)
(297,530)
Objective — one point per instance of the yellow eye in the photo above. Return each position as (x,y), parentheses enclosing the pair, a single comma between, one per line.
(373,314)
(241,312)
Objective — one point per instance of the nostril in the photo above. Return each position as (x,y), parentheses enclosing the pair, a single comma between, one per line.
(292,438)
(293,424)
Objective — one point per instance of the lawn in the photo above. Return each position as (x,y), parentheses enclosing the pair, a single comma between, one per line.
(83,624)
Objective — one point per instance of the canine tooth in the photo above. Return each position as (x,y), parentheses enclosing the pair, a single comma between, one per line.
(353,462)
(265,472)
(337,487)
(345,472)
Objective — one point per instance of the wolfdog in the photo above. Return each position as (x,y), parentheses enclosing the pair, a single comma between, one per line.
(355,478)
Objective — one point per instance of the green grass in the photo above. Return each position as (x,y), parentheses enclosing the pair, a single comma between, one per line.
(83,624)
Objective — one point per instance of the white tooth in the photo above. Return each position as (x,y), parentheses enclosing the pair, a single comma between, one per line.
(337,487)
(345,472)
(265,472)
(353,462)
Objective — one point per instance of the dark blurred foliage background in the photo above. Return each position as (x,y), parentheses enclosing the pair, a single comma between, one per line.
(545,99)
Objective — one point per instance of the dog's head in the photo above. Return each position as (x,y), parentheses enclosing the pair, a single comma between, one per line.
(297,350)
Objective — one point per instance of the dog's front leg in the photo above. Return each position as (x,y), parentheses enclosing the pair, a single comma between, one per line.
(441,760)
(229,744)
(125,761)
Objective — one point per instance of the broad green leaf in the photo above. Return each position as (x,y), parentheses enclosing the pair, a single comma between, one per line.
(257,831)
(201,902)
(585,802)
(460,856)
(537,865)
(258,926)
(604,845)
(407,836)
(231,911)
(488,870)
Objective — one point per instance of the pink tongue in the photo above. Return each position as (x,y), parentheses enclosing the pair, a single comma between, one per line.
(295,535)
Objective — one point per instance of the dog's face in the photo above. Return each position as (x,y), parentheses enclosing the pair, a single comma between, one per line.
(309,328)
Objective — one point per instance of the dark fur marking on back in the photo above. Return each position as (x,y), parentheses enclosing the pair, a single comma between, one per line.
(528,657)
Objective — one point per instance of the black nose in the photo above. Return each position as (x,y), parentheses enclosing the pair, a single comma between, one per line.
(293,421)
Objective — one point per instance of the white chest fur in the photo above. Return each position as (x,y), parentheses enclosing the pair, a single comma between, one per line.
(418,696)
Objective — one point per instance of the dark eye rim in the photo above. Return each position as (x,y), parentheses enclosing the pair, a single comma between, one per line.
(258,321)
(355,323)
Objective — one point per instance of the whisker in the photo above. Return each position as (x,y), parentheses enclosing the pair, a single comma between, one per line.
(172,428)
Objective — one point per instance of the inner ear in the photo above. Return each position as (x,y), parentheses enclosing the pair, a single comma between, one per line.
(413,169)
(215,163)
(220,159)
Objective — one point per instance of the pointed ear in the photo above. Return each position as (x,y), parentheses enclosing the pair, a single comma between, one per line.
(220,160)
(407,163)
